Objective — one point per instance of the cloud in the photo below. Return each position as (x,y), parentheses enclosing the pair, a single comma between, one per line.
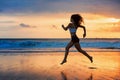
(54,26)
(7,21)
(106,27)
(104,7)
(115,29)
(109,29)
(26,25)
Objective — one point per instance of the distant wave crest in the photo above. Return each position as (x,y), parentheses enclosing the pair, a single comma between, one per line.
(38,44)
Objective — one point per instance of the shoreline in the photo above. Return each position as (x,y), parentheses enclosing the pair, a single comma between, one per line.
(58,38)
(58,50)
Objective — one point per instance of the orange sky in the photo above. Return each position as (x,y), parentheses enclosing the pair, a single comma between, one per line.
(43,19)
(49,26)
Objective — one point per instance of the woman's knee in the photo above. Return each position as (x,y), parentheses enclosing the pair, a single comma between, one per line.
(66,48)
(82,51)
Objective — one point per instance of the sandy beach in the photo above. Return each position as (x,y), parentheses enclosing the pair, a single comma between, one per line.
(46,66)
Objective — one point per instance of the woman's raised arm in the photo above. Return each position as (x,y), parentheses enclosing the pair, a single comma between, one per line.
(65,28)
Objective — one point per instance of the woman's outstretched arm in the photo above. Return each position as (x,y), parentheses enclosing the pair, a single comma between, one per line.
(65,28)
(84,30)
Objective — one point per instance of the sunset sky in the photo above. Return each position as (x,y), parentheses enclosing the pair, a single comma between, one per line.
(43,18)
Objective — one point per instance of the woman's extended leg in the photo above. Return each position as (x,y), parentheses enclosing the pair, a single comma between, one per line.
(70,44)
(77,46)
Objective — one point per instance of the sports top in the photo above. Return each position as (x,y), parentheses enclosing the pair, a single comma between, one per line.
(72,30)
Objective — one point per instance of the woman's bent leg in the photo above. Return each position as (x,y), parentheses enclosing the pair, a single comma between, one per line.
(77,46)
(70,44)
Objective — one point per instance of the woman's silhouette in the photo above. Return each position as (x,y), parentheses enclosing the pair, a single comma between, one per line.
(76,21)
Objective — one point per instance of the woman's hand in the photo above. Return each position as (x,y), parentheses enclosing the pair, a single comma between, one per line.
(65,28)
(84,35)
(62,26)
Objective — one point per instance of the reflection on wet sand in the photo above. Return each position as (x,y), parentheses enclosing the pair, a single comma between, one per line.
(91,77)
(47,67)
(64,76)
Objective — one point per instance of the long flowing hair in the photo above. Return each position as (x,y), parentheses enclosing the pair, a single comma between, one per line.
(78,19)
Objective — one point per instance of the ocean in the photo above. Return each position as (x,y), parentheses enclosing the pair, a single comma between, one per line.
(25,45)
(29,59)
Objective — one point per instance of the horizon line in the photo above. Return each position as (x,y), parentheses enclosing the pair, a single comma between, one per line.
(56,38)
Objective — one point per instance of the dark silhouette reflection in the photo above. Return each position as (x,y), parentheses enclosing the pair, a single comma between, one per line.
(91,77)
(92,67)
(64,77)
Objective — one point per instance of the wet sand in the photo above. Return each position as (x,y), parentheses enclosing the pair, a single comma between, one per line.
(42,66)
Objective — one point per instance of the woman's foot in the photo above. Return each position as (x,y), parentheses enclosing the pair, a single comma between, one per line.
(64,61)
(91,59)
